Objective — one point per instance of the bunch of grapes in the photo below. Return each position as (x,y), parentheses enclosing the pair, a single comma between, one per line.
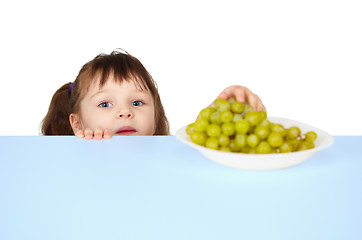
(233,126)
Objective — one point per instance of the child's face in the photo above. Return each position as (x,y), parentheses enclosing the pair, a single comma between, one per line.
(121,107)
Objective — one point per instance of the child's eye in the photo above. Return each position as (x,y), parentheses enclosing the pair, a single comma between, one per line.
(105,105)
(137,103)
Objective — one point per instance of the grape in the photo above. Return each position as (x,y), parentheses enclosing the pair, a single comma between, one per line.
(276,127)
(310,136)
(233,146)
(240,140)
(228,129)
(206,113)
(215,118)
(237,107)
(226,116)
(237,117)
(253,117)
(242,126)
(233,126)
(265,123)
(222,105)
(201,125)
(248,108)
(224,140)
(213,130)
(286,147)
(293,132)
(262,115)
(199,138)
(262,132)
(252,140)
(263,148)
(212,143)
(225,149)
(190,129)
(305,145)
(275,139)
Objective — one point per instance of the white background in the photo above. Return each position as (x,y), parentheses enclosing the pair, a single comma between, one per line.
(303,58)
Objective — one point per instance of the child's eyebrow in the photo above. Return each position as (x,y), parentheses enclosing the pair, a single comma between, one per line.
(142,91)
(99,92)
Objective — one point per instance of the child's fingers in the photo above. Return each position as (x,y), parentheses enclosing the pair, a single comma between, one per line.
(79,133)
(98,134)
(260,105)
(107,133)
(88,134)
(224,95)
(240,93)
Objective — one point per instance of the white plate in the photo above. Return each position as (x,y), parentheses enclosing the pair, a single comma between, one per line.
(263,161)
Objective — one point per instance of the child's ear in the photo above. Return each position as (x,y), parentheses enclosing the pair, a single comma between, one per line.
(75,122)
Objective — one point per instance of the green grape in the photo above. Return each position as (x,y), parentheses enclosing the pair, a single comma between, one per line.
(237,117)
(262,115)
(252,140)
(224,140)
(228,129)
(275,139)
(253,117)
(242,126)
(225,149)
(199,138)
(310,136)
(201,125)
(232,100)
(213,130)
(252,150)
(212,143)
(263,148)
(293,132)
(274,150)
(190,129)
(215,118)
(206,113)
(262,132)
(286,147)
(245,149)
(248,108)
(240,140)
(251,130)
(222,105)
(236,127)
(226,116)
(233,147)
(276,127)
(304,145)
(265,123)
(237,107)
(294,143)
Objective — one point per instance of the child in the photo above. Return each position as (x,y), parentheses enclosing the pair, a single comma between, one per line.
(115,95)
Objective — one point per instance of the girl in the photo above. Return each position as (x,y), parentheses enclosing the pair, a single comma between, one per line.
(115,95)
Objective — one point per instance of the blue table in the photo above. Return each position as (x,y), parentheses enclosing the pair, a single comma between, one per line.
(159,188)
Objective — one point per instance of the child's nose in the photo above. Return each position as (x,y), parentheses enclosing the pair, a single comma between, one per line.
(125,114)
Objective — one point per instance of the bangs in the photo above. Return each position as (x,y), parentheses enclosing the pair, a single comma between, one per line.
(120,66)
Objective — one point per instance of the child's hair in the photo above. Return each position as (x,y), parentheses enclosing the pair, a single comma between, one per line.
(124,67)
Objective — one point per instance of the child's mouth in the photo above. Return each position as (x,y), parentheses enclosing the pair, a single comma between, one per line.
(126,131)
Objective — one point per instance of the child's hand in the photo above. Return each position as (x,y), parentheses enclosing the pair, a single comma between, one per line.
(243,94)
(97,134)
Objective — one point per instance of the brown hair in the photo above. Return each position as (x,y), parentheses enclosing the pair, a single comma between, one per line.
(124,67)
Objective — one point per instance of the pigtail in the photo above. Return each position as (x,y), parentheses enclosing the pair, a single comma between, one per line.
(56,122)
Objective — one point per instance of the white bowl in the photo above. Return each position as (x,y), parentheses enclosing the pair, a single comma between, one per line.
(263,161)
